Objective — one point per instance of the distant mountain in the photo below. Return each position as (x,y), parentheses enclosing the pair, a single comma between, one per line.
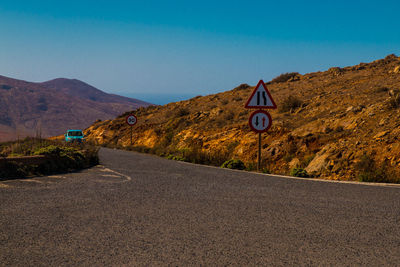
(52,107)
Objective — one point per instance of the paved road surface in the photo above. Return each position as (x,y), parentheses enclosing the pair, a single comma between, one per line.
(140,210)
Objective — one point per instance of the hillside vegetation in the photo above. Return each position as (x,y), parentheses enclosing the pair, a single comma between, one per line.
(343,123)
(19,159)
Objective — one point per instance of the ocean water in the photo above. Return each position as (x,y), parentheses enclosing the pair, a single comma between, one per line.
(159,99)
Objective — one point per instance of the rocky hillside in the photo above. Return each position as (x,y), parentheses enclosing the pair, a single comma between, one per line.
(343,123)
(50,108)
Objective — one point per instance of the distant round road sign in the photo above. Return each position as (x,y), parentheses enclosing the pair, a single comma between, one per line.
(260,121)
(131,120)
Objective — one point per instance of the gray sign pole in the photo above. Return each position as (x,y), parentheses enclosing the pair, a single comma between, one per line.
(259,153)
(131,135)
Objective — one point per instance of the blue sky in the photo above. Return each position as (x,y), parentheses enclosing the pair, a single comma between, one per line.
(171,50)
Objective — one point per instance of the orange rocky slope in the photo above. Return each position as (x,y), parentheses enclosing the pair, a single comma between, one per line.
(327,121)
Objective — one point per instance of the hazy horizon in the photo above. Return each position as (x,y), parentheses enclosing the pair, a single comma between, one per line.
(181,48)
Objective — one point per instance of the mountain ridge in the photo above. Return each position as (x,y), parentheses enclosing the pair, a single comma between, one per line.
(49,108)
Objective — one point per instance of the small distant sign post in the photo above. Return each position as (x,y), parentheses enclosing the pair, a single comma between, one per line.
(260,120)
(131,120)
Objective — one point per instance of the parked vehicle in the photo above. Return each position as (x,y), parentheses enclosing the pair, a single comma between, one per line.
(74,136)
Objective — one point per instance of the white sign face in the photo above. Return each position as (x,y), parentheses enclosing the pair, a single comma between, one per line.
(260,98)
(260,121)
(131,120)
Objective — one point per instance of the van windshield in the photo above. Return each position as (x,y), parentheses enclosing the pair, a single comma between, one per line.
(75,133)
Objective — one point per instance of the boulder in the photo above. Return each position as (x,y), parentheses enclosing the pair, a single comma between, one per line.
(294,163)
(380,135)
(320,160)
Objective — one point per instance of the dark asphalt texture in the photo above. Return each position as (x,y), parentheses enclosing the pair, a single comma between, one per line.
(141,210)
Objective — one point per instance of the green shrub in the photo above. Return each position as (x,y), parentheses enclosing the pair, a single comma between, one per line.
(299,172)
(251,166)
(60,157)
(178,158)
(266,170)
(234,164)
(49,150)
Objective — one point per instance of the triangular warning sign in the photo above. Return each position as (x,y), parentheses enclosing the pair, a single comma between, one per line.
(260,98)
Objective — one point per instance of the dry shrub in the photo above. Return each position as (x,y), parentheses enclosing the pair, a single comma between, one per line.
(284,77)
(290,104)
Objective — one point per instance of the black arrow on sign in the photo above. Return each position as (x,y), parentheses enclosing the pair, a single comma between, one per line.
(257,121)
(265,98)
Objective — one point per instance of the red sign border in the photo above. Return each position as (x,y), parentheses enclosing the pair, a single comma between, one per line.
(126,120)
(261,82)
(253,114)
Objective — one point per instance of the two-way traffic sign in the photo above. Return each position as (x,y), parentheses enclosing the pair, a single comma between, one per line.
(260,121)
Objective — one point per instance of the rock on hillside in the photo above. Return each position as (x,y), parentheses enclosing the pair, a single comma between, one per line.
(51,107)
(343,123)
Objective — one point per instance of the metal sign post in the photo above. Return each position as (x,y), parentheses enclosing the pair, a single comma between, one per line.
(131,120)
(260,121)
(259,153)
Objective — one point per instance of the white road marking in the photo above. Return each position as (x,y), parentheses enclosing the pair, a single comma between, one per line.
(56,177)
(32,181)
(115,173)
(110,175)
(2,185)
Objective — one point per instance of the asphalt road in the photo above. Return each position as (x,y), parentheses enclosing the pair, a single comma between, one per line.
(140,210)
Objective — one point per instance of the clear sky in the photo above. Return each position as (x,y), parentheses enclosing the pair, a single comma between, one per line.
(177,49)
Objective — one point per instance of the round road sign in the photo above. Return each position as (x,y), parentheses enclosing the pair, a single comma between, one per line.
(260,121)
(131,120)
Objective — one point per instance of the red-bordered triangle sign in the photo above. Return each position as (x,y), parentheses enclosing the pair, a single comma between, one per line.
(261,98)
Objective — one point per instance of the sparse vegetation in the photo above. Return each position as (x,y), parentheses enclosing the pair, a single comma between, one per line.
(183,112)
(60,157)
(307,159)
(234,164)
(284,77)
(266,170)
(290,103)
(241,87)
(299,172)
(382,89)
(368,171)
(394,101)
